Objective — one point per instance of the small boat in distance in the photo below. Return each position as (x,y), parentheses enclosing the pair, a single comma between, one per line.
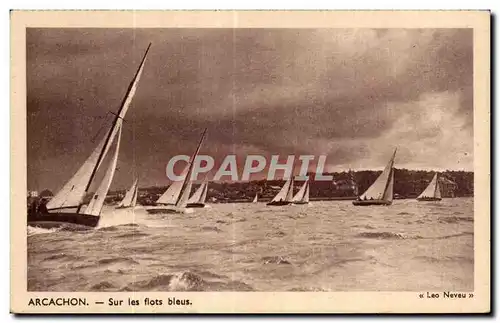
(255,199)
(381,191)
(130,198)
(64,210)
(199,197)
(432,191)
(285,195)
(302,196)
(175,198)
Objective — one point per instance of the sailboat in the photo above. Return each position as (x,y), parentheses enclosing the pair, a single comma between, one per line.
(255,199)
(175,198)
(199,197)
(285,195)
(130,199)
(65,208)
(302,196)
(381,191)
(432,192)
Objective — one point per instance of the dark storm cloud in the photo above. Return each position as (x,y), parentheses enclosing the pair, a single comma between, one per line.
(352,94)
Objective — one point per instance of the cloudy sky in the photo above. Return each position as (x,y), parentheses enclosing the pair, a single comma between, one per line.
(351,94)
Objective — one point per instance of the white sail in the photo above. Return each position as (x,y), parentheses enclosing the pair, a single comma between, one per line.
(73,192)
(255,198)
(171,195)
(283,193)
(289,196)
(301,193)
(305,198)
(175,195)
(134,199)
(128,200)
(382,188)
(95,205)
(200,195)
(389,192)
(183,199)
(432,190)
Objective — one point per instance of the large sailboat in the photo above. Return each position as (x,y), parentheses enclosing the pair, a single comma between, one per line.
(199,197)
(381,191)
(285,195)
(67,208)
(302,196)
(175,198)
(130,199)
(432,191)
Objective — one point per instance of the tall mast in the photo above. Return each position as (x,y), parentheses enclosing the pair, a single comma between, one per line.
(115,121)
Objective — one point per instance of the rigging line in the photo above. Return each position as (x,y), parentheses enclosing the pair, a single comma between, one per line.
(103,125)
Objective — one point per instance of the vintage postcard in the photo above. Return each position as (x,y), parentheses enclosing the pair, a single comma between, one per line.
(250,162)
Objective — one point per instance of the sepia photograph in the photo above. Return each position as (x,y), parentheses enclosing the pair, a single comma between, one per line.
(249,157)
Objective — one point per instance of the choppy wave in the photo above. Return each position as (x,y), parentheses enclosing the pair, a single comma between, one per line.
(454,219)
(249,247)
(36,230)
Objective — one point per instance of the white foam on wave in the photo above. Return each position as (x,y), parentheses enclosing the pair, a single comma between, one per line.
(36,230)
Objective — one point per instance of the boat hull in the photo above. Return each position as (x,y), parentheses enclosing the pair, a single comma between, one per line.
(63,219)
(300,203)
(431,199)
(371,202)
(124,207)
(195,205)
(279,203)
(166,210)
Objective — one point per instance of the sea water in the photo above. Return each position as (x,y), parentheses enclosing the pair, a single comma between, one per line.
(323,246)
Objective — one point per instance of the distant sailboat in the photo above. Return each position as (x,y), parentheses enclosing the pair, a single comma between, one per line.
(255,199)
(199,197)
(130,198)
(285,195)
(381,191)
(175,198)
(65,208)
(302,196)
(432,192)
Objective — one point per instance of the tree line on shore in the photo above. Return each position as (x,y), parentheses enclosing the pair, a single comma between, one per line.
(407,184)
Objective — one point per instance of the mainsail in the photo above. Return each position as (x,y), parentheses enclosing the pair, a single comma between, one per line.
(303,194)
(95,205)
(382,188)
(171,195)
(432,190)
(178,192)
(286,192)
(74,191)
(200,195)
(130,197)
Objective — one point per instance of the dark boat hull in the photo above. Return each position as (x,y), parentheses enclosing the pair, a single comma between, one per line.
(167,209)
(63,219)
(279,203)
(300,203)
(194,205)
(371,202)
(431,199)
